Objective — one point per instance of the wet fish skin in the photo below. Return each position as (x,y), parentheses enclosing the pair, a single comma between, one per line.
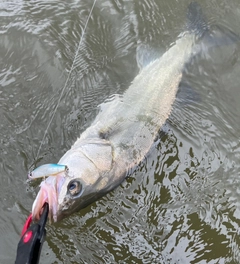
(120,136)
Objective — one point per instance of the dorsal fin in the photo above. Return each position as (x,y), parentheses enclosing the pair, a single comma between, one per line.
(146,54)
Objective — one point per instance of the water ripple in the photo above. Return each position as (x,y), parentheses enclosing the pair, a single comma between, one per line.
(182,203)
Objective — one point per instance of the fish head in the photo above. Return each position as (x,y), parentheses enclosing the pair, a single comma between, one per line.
(79,188)
(85,181)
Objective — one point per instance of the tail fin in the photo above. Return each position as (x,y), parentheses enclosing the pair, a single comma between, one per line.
(196,20)
(211,35)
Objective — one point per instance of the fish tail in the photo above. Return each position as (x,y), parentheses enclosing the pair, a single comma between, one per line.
(196,21)
(211,35)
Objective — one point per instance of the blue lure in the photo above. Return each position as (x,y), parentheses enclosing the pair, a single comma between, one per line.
(47,170)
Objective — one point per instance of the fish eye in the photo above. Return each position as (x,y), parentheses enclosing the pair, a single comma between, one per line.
(74,187)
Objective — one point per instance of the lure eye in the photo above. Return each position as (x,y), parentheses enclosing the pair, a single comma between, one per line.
(74,187)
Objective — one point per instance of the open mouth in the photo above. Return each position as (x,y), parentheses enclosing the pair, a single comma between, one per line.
(46,194)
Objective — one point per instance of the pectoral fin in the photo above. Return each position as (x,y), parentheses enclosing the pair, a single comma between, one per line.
(146,54)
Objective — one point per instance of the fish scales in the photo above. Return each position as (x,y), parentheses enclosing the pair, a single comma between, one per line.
(120,136)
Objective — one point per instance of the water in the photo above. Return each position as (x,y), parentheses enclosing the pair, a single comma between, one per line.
(182,204)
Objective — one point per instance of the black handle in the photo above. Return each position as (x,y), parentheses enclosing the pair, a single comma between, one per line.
(30,244)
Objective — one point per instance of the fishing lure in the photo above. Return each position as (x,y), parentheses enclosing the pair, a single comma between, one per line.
(47,170)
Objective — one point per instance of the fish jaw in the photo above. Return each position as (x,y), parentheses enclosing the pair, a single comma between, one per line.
(48,193)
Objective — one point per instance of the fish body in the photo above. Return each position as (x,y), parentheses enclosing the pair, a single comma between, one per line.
(120,136)
(47,170)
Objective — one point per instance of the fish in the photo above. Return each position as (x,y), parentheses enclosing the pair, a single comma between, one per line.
(123,132)
(47,170)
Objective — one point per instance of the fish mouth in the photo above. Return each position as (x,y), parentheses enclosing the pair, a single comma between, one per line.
(48,193)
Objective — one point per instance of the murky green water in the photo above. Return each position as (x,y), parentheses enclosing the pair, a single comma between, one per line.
(183,203)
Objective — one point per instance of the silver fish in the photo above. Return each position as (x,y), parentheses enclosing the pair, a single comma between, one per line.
(120,136)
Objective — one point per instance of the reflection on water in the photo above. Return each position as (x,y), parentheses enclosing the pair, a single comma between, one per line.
(182,204)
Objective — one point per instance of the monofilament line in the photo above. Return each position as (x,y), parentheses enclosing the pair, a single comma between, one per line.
(65,85)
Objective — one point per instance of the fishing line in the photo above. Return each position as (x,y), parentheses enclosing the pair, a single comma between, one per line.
(65,85)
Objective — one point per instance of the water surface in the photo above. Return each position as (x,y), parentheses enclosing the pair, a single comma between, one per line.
(182,205)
